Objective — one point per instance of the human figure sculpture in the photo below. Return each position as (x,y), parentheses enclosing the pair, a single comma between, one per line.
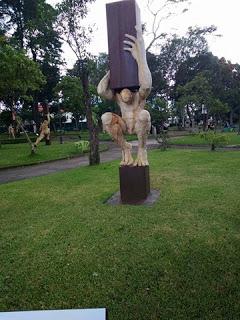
(44,131)
(11,132)
(134,118)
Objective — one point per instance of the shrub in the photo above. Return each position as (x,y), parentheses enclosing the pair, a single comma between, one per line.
(82,146)
(214,139)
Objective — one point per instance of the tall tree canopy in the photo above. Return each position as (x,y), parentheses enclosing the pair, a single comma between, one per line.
(31,24)
(20,77)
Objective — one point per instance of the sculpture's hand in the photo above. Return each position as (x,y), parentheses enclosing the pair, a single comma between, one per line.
(103,88)
(136,45)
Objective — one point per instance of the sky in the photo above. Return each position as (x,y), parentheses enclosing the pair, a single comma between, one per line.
(224,14)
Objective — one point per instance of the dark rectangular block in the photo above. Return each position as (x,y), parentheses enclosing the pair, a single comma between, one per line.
(134,184)
(122,17)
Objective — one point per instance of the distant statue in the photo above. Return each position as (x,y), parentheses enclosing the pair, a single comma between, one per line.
(11,131)
(44,127)
(134,120)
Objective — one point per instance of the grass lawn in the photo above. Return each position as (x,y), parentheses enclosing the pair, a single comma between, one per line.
(62,247)
(233,139)
(19,154)
(103,136)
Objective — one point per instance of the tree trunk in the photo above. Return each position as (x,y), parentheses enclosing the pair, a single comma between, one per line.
(183,119)
(76,118)
(213,147)
(94,156)
(205,117)
(28,139)
(239,124)
(215,123)
(231,118)
(191,118)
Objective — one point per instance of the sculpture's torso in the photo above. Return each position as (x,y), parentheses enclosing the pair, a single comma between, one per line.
(130,111)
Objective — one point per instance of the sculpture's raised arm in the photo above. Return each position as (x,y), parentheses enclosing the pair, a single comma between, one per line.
(137,48)
(103,88)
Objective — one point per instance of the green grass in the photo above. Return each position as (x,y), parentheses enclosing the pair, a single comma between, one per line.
(233,139)
(62,247)
(19,154)
(103,136)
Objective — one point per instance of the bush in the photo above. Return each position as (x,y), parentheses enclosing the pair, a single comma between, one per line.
(214,139)
(82,146)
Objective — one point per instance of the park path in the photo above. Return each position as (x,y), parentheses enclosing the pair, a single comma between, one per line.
(42,169)
(113,153)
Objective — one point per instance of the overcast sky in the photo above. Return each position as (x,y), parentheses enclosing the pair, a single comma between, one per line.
(224,14)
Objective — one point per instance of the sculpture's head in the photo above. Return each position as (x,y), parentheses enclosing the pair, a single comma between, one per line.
(126,95)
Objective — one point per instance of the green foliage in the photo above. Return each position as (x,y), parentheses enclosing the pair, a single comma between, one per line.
(214,139)
(159,83)
(159,111)
(70,26)
(82,146)
(77,36)
(6,117)
(222,81)
(19,76)
(32,27)
(198,92)
(163,139)
(176,50)
(71,93)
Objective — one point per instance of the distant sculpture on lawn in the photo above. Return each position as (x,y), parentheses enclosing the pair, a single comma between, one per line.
(44,127)
(134,120)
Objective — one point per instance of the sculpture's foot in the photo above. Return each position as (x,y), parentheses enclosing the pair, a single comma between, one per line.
(141,159)
(127,159)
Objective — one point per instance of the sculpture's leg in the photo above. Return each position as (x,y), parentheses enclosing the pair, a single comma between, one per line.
(47,137)
(39,139)
(116,127)
(142,128)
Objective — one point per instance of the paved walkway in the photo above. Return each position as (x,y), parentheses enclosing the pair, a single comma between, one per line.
(21,173)
(114,153)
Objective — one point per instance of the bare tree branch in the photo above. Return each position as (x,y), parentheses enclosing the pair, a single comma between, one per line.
(159,15)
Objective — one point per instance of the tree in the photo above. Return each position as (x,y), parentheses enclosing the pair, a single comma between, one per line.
(20,77)
(71,96)
(31,23)
(159,112)
(98,67)
(197,94)
(159,84)
(73,32)
(223,76)
(229,90)
(177,50)
(161,11)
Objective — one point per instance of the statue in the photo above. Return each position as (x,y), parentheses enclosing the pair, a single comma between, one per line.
(134,118)
(44,127)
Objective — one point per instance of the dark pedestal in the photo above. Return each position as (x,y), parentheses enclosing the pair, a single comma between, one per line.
(122,17)
(134,184)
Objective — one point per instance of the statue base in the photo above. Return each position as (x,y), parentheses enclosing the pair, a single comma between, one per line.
(134,184)
(152,197)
